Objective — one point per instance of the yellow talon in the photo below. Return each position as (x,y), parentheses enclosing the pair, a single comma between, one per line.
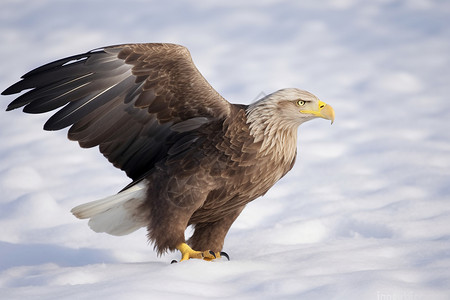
(187,253)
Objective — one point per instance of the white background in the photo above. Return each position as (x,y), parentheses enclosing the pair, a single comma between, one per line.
(364,214)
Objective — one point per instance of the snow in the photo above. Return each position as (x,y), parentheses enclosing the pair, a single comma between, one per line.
(364,214)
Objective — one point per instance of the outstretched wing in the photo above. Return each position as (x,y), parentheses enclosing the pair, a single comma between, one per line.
(126,99)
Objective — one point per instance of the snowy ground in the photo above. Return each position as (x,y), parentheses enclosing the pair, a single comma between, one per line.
(364,214)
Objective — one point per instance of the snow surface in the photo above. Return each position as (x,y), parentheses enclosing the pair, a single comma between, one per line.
(364,214)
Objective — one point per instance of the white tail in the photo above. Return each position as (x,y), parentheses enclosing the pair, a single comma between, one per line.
(118,214)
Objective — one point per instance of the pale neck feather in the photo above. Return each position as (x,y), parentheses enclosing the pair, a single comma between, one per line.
(278,135)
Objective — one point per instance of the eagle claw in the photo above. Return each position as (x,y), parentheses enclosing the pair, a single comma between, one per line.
(225,254)
(212,253)
(188,253)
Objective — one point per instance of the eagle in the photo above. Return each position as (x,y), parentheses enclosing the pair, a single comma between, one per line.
(194,158)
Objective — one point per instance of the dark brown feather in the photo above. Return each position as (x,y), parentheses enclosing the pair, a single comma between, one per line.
(114,95)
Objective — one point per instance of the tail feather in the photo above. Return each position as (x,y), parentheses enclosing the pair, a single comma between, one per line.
(118,214)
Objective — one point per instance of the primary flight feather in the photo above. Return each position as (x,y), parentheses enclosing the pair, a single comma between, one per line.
(193,157)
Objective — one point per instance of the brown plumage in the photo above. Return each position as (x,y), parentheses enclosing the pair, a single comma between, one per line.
(194,158)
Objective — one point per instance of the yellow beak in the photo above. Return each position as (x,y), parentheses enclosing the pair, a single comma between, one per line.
(324,111)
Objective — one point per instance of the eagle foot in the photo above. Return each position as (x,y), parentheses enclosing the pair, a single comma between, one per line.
(188,253)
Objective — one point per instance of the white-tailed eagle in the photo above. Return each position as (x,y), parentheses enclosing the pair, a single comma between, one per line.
(193,157)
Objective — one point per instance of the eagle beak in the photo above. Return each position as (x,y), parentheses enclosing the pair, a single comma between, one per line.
(324,111)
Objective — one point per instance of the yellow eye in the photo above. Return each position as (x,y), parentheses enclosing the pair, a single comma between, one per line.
(300,102)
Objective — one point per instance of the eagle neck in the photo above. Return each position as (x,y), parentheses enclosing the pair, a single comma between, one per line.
(278,136)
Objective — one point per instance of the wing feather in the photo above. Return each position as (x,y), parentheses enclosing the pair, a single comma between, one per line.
(127,99)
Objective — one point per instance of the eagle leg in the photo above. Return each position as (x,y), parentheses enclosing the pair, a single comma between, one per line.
(187,253)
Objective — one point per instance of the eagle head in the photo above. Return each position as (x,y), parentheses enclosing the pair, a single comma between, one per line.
(287,108)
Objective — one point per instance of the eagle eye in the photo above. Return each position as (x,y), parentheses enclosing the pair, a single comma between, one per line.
(300,102)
